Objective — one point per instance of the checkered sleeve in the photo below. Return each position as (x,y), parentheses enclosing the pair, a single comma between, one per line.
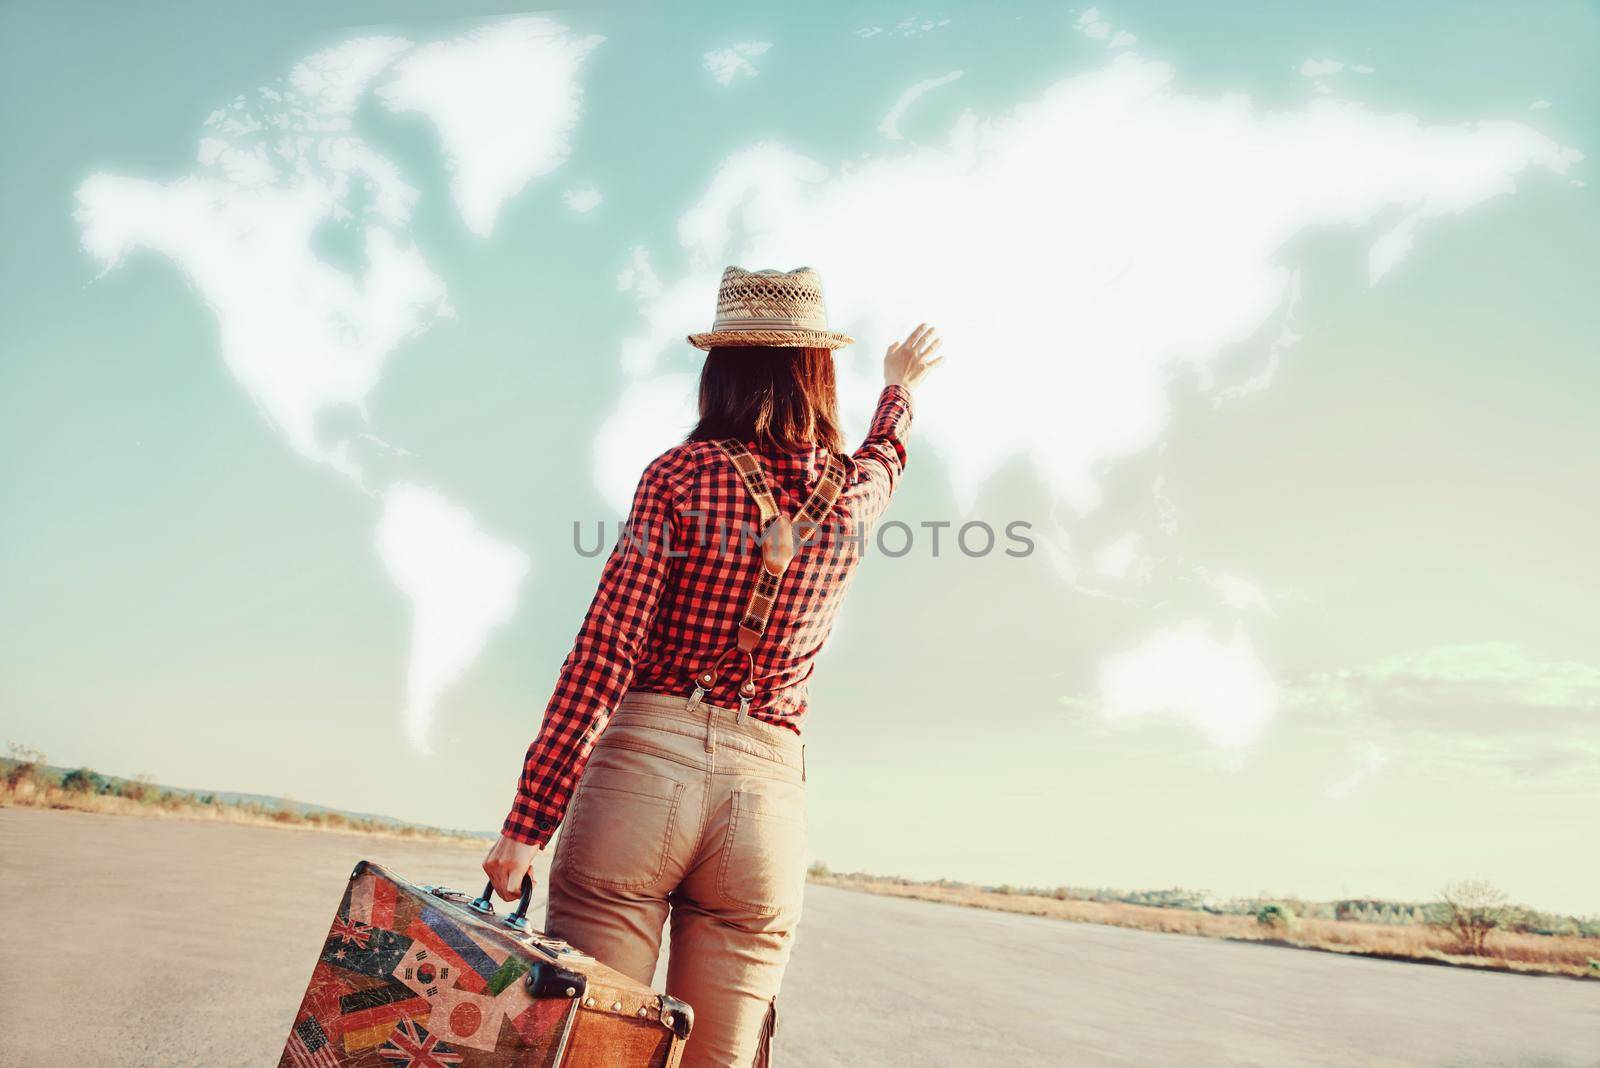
(601,664)
(882,456)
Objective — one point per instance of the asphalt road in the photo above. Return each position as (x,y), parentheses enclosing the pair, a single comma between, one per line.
(172,943)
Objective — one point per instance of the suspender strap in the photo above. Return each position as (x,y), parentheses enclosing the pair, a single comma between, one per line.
(820,503)
(778,547)
(754,478)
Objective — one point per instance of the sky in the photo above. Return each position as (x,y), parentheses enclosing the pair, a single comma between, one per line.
(324,326)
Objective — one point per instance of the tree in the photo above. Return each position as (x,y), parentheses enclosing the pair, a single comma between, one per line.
(1471,910)
(25,765)
(1276,916)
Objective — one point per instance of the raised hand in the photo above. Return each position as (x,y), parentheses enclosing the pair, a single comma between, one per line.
(907,362)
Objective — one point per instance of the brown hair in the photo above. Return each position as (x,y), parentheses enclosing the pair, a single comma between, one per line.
(782,398)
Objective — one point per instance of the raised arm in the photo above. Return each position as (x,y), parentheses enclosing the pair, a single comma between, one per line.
(600,666)
(882,456)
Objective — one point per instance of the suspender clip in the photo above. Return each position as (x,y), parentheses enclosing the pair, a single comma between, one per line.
(702,686)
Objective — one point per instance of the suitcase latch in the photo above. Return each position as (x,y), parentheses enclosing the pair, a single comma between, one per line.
(450,894)
(549,981)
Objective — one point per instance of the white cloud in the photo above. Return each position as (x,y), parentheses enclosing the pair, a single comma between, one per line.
(1538,105)
(1237,593)
(296,234)
(1091,24)
(639,276)
(1392,246)
(302,335)
(664,401)
(729,63)
(462,584)
(1094,26)
(890,126)
(582,200)
(504,100)
(1106,241)
(1321,68)
(1369,766)
(1499,674)
(1182,673)
(1486,706)
(912,26)
(1118,559)
(1115,237)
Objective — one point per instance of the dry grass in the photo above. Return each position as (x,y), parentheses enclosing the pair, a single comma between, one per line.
(1506,951)
(29,793)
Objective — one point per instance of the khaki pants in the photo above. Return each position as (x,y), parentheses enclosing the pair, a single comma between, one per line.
(699,815)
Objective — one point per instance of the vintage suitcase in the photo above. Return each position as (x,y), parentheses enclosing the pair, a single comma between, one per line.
(428,977)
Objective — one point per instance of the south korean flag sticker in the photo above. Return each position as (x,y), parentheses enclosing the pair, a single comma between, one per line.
(425,972)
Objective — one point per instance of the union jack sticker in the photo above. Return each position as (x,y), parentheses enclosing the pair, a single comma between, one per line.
(413,1047)
(351,933)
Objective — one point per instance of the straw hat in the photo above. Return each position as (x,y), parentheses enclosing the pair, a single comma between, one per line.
(771,308)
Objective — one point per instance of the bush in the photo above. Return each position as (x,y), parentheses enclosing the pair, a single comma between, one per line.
(1276,917)
(818,870)
(140,788)
(1532,921)
(83,781)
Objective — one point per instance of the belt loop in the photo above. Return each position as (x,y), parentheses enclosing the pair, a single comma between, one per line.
(802,762)
(711,728)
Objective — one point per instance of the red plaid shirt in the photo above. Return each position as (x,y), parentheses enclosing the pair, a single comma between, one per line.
(676,583)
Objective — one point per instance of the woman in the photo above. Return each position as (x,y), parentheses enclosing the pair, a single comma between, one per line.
(692,802)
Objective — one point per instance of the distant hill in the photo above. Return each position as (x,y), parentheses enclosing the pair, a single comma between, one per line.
(113,784)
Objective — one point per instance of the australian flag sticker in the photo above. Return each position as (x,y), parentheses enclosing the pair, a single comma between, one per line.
(369,951)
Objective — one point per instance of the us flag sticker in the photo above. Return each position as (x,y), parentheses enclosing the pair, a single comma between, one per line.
(309,1047)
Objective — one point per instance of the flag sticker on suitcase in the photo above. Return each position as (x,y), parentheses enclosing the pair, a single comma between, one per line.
(308,1046)
(426,977)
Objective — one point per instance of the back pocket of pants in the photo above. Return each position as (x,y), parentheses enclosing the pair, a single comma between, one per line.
(763,859)
(619,828)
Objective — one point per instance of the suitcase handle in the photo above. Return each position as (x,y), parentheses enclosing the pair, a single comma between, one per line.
(518,920)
